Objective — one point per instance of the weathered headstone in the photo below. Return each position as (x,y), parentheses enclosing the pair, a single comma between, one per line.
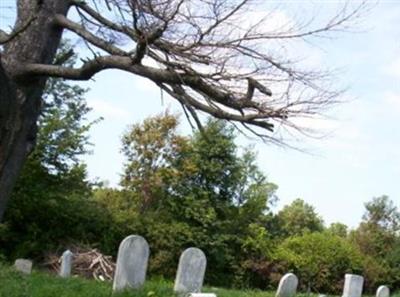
(23,265)
(202,295)
(353,285)
(191,270)
(66,264)
(133,255)
(383,291)
(287,285)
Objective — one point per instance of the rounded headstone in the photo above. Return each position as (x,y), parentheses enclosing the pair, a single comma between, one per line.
(191,270)
(66,264)
(132,259)
(287,285)
(383,291)
(353,285)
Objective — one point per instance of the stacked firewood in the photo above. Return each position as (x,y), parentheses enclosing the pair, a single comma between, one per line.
(88,263)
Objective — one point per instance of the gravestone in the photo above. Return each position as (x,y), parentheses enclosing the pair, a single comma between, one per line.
(133,255)
(23,265)
(202,295)
(191,270)
(66,264)
(287,285)
(383,291)
(353,285)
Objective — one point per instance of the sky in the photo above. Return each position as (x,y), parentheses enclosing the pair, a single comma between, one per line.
(357,160)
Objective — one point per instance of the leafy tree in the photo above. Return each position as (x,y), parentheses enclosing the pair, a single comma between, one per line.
(204,60)
(320,260)
(197,190)
(378,238)
(298,218)
(152,149)
(382,212)
(52,190)
(338,229)
(377,233)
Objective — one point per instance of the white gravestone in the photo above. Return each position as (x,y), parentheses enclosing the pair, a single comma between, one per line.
(23,265)
(133,255)
(66,264)
(191,270)
(202,295)
(383,291)
(287,285)
(353,285)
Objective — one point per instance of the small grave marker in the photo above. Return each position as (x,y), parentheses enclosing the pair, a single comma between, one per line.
(23,265)
(287,285)
(383,291)
(66,264)
(353,285)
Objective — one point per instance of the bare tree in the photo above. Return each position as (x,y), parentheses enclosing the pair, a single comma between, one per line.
(204,53)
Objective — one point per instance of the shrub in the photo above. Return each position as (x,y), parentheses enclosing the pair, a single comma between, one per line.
(320,260)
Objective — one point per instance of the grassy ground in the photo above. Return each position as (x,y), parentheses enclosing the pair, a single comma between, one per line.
(15,284)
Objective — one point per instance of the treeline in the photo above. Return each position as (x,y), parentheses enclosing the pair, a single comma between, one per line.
(179,191)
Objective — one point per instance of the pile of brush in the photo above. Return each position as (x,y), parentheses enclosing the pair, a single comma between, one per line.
(87,262)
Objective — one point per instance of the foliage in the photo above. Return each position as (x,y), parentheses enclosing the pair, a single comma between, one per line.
(320,260)
(198,190)
(299,218)
(378,238)
(338,229)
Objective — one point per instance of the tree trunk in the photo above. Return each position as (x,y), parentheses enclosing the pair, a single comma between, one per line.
(20,96)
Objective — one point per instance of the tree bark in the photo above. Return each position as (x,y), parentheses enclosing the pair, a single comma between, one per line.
(20,97)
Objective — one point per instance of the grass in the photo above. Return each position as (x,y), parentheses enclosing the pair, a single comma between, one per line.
(39,284)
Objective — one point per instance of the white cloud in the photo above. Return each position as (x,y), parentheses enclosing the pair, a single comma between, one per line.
(394,68)
(146,86)
(392,100)
(108,110)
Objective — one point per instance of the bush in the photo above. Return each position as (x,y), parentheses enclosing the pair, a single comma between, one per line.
(320,260)
(42,217)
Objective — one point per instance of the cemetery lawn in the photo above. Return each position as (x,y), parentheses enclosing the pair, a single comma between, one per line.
(39,284)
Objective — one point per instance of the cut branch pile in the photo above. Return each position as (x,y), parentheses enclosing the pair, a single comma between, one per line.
(88,263)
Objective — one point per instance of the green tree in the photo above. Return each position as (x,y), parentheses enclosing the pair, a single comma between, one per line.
(378,238)
(196,190)
(378,232)
(382,212)
(298,218)
(151,148)
(320,260)
(338,229)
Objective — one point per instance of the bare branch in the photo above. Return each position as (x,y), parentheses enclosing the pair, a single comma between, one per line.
(87,35)
(207,55)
